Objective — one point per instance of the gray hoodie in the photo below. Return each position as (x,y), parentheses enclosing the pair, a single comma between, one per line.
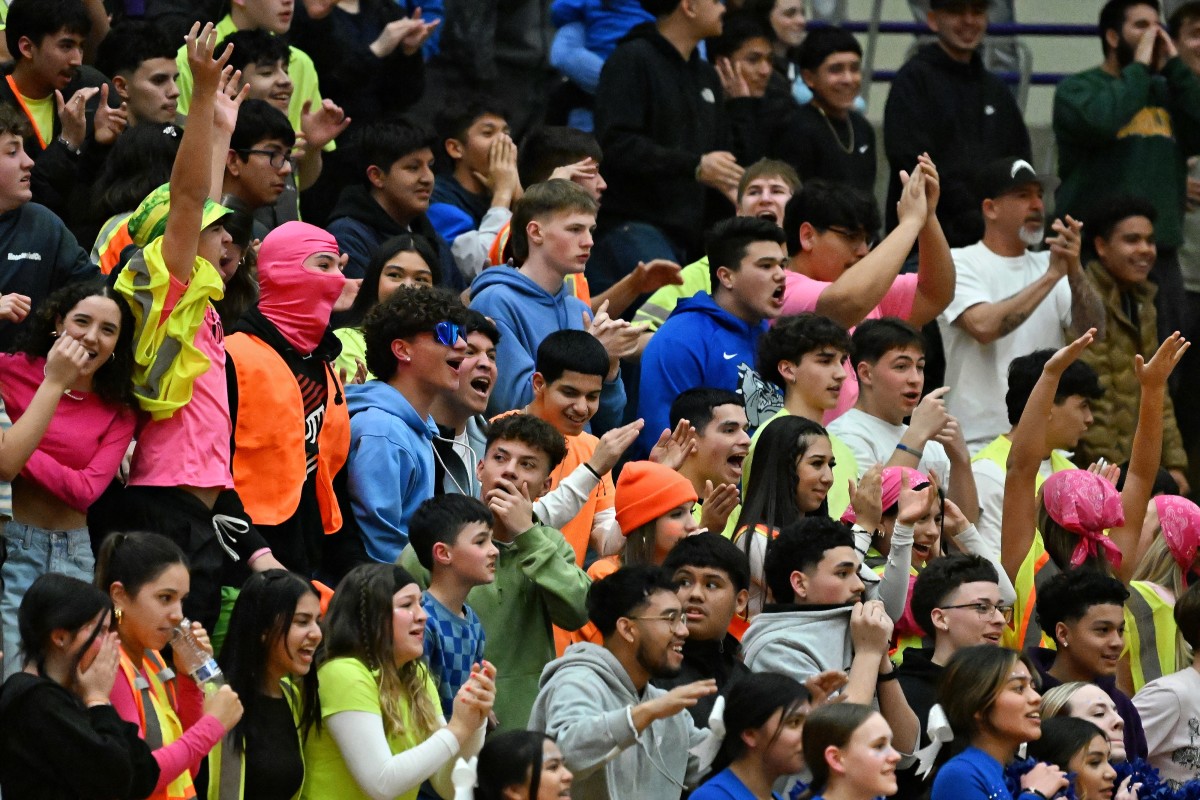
(799,641)
(584,705)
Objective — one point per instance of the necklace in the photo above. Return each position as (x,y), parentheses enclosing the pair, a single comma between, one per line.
(67,392)
(846,148)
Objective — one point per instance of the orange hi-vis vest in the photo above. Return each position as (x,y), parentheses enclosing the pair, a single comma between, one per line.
(269,458)
(154,694)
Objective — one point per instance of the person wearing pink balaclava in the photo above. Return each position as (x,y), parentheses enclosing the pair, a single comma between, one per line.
(291,429)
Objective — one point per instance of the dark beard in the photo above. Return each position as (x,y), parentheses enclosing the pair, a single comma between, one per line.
(1125,53)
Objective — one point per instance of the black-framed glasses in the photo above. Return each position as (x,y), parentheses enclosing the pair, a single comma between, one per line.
(277,157)
(447,333)
(985,609)
(853,238)
(672,618)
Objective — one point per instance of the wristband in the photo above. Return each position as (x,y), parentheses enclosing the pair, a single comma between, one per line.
(912,451)
(72,149)
(884,677)
(1036,793)
(588,467)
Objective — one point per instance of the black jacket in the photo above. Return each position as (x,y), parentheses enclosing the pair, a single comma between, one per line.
(52,747)
(704,660)
(918,677)
(656,115)
(964,117)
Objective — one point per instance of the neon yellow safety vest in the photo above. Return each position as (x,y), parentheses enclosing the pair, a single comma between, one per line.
(1150,633)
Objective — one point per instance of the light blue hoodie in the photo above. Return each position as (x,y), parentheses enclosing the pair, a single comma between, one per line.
(526,314)
(390,465)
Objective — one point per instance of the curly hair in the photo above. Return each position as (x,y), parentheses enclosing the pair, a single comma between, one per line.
(112,382)
(359,626)
(791,338)
(408,311)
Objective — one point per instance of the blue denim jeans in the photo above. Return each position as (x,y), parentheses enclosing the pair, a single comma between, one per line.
(33,552)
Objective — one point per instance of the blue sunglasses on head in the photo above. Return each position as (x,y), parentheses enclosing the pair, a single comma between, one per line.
(447,333)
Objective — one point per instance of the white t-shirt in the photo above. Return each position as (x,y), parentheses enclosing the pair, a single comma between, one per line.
(872,440)
(977,374)
(989,488)
(1170,712)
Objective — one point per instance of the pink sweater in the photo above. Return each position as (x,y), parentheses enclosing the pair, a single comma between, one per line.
(87,438)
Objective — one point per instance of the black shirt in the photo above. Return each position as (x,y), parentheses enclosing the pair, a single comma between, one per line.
(274,766)
(819,146)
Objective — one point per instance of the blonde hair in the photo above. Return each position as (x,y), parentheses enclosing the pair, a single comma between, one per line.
(1158,566)
(1057,699)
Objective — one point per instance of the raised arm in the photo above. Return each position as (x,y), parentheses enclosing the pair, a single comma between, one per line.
(935,266)
(1147,448)
(849,299)
(191,175)
(1025,458)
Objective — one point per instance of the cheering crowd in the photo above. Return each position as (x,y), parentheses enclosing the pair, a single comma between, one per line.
(529,400)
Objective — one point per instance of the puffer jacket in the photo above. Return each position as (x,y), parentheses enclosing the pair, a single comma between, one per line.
(1116,413)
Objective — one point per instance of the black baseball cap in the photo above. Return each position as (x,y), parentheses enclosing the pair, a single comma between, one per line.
(1006,174)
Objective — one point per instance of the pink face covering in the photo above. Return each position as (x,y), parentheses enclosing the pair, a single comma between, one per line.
(1087,505)
(297,300)
(1179,520)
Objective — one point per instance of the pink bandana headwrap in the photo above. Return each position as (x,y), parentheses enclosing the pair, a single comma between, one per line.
(1087,505)
(1179,520)
(296,299)
(890,481)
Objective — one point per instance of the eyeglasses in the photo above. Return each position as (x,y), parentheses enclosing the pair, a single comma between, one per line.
(672,618)
(985,609)
(447,333)
(277,157)
(855,239)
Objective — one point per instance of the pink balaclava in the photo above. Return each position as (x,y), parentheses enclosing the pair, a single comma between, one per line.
(296,299)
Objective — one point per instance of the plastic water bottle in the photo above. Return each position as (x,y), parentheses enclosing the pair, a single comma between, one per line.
(195,659)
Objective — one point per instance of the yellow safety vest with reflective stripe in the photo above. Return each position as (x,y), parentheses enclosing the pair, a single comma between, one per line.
(159,723)
(230,783)
(1150,633)
(1025,631)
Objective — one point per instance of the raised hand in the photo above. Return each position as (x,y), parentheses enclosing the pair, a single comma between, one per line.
(1067,356)
(719,503)
(822,686)
(323,125)
(681,698)
(228,100)
(674,447)
(913,205)
(206,66)
(72,115)
(1065,246)
(1153,374)
(582,170)
(866,498)
(225,705)
(109,122)
(620,339)
(719,170)
(612,444)
(915,504)
(930,415)
(933,182)
(733,79)
(650,276)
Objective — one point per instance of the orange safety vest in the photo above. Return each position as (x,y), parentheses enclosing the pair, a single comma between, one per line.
(269,458)
(154,686)
(498,256)
(114,245)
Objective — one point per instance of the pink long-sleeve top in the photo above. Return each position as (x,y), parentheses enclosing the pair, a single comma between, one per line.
(200,731)
(87,438)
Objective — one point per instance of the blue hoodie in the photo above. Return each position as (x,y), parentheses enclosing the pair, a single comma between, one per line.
(526,314)
(701,345)
(390,465)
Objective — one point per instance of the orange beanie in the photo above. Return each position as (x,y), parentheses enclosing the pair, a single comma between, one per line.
(646,491)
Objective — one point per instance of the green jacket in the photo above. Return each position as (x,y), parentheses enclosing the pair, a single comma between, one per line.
(230,784)
(1131,133)
(537,585)
(1116,413)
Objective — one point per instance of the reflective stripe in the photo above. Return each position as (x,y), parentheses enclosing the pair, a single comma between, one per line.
(1150,634)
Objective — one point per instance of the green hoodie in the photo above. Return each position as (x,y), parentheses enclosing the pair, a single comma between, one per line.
(537,585)
(1131,134)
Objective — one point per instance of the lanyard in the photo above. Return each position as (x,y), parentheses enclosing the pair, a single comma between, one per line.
(21,102)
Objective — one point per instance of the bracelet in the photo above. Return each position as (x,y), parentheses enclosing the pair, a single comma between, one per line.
(1036,793)
(884,677)
(912,451)
(588,467)
(72,149)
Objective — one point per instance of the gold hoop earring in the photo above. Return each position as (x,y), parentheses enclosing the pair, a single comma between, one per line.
(118,615)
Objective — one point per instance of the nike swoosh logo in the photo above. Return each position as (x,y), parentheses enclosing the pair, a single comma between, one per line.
(729,355)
